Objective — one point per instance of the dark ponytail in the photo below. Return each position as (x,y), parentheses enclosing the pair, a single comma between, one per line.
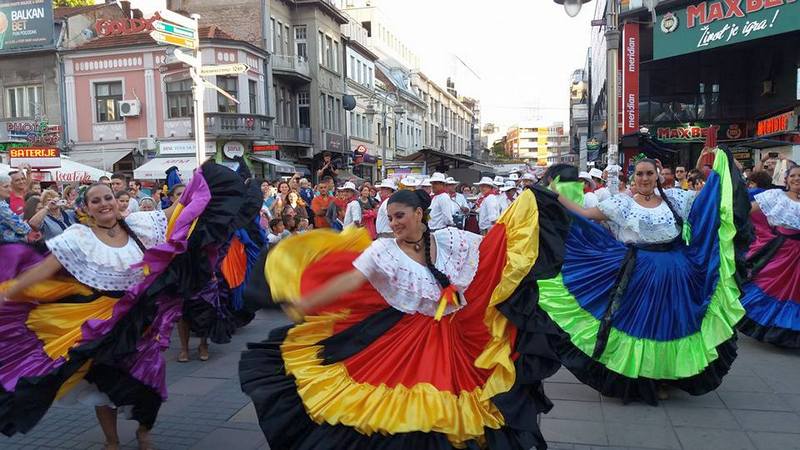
(124,225)
(421,199)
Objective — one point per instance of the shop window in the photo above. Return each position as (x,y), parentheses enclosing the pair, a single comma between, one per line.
(24,101)
(224,104)
(179,99)
(107,97)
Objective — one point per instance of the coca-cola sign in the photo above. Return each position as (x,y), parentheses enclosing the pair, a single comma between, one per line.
(119,27)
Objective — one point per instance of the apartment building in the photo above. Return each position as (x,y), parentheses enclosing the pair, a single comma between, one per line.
(542,144)
(448,123)
(360,85)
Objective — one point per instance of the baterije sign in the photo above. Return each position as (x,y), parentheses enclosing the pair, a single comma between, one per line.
(37,157)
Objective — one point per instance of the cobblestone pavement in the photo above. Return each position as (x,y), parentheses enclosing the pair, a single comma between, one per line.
(757,407)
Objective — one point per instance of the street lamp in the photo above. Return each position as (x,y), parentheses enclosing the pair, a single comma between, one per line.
(370,111)
(572,7)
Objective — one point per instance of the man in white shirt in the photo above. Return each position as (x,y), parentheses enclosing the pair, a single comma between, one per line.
(387,188)
(506,195)
(488,211)
(441,211)
(460,203)
(352,215)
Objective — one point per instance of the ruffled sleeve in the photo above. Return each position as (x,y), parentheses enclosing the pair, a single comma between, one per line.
(780,210)
(458,255)
(150,227)
(617,208)
(681,200)
(367,263)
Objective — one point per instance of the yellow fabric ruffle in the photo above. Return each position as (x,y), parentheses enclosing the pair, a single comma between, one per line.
(330,395)
(58,325)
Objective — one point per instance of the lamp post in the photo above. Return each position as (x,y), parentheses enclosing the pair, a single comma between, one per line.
(371,112)
(572,7)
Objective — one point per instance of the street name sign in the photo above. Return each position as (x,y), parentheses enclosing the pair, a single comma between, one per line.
(223,69)
(175,30)
(169,39)
(177,18)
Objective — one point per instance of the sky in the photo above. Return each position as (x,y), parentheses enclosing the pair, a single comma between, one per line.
(524,51)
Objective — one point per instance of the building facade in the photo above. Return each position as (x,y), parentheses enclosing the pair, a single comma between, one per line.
(541,144)
(360,86)
(448,123)
(125,95)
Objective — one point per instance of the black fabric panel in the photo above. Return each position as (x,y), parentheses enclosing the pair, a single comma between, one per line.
(123,389)
(782,337)
(257,294)
(351,341)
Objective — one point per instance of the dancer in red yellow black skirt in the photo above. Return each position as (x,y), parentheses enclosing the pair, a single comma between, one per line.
(423,341)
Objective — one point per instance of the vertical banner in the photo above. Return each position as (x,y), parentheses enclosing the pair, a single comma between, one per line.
(630,78)
(541,146)
(620,110)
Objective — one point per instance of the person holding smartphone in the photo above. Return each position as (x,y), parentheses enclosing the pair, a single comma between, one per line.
(51,220)
(328,167)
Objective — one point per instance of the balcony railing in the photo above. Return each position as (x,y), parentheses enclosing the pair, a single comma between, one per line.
(241,125)
(293,134)
(292,64)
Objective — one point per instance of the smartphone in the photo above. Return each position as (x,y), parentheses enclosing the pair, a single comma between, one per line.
(773,154)
(61,203)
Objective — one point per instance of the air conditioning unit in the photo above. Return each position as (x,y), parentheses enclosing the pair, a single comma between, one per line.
(146,144)
(130,108)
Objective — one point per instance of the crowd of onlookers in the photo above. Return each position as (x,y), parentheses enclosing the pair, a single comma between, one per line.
(32,211)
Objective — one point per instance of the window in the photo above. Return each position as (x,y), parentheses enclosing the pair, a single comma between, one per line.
(272,34)
(107,97)
(329,115)
(321,48)
(353,124)
(23,101)
(300,44)
(285,47)
(224,104)
(179,99)
(304,109)
(337,115)
(328,51)
(336,56)
(280,49)
(352,67)
(369,77)
(252,93)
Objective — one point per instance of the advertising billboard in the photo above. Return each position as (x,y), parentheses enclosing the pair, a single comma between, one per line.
(26,25)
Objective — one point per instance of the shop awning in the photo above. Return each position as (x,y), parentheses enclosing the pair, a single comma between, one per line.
(69,171)
(280,166)
(101,159)
(155,169)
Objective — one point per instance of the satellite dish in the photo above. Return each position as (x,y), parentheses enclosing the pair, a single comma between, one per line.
(348,102)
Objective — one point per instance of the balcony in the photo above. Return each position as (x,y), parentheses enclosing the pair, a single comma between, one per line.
(250,126)
(293,135)
(293,68)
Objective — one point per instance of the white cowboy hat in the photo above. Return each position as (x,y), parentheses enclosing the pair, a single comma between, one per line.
(388,184)
(499,181)
(513,176)
(584,176)
(596,173)
(451,180)
(528,176)
(509,185)
(348,186)
(425,182)
(410,182)
(438,177)
(484,181)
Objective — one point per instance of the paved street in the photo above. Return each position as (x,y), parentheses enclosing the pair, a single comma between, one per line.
(757,407)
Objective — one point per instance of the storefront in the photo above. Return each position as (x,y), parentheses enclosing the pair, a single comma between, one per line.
(727,64)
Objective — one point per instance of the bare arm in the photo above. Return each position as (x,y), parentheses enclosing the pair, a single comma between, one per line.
(36,221)
(333,289)
(754,207)
(38,273)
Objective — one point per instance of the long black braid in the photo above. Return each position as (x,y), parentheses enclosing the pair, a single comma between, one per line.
(421,199)
(662,193)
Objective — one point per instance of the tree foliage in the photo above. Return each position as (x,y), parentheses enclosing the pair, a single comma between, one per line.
(57,3)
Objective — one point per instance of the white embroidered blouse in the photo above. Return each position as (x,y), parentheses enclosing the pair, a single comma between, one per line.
(101,266)
(781,211)
(408,285)
(633,223)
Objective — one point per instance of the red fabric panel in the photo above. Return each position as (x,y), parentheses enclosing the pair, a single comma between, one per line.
(420,350)
(780,278)
(234,266)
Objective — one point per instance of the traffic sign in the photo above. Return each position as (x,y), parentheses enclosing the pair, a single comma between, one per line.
(177,18)
(175,30)
(223,69)
(169,39)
